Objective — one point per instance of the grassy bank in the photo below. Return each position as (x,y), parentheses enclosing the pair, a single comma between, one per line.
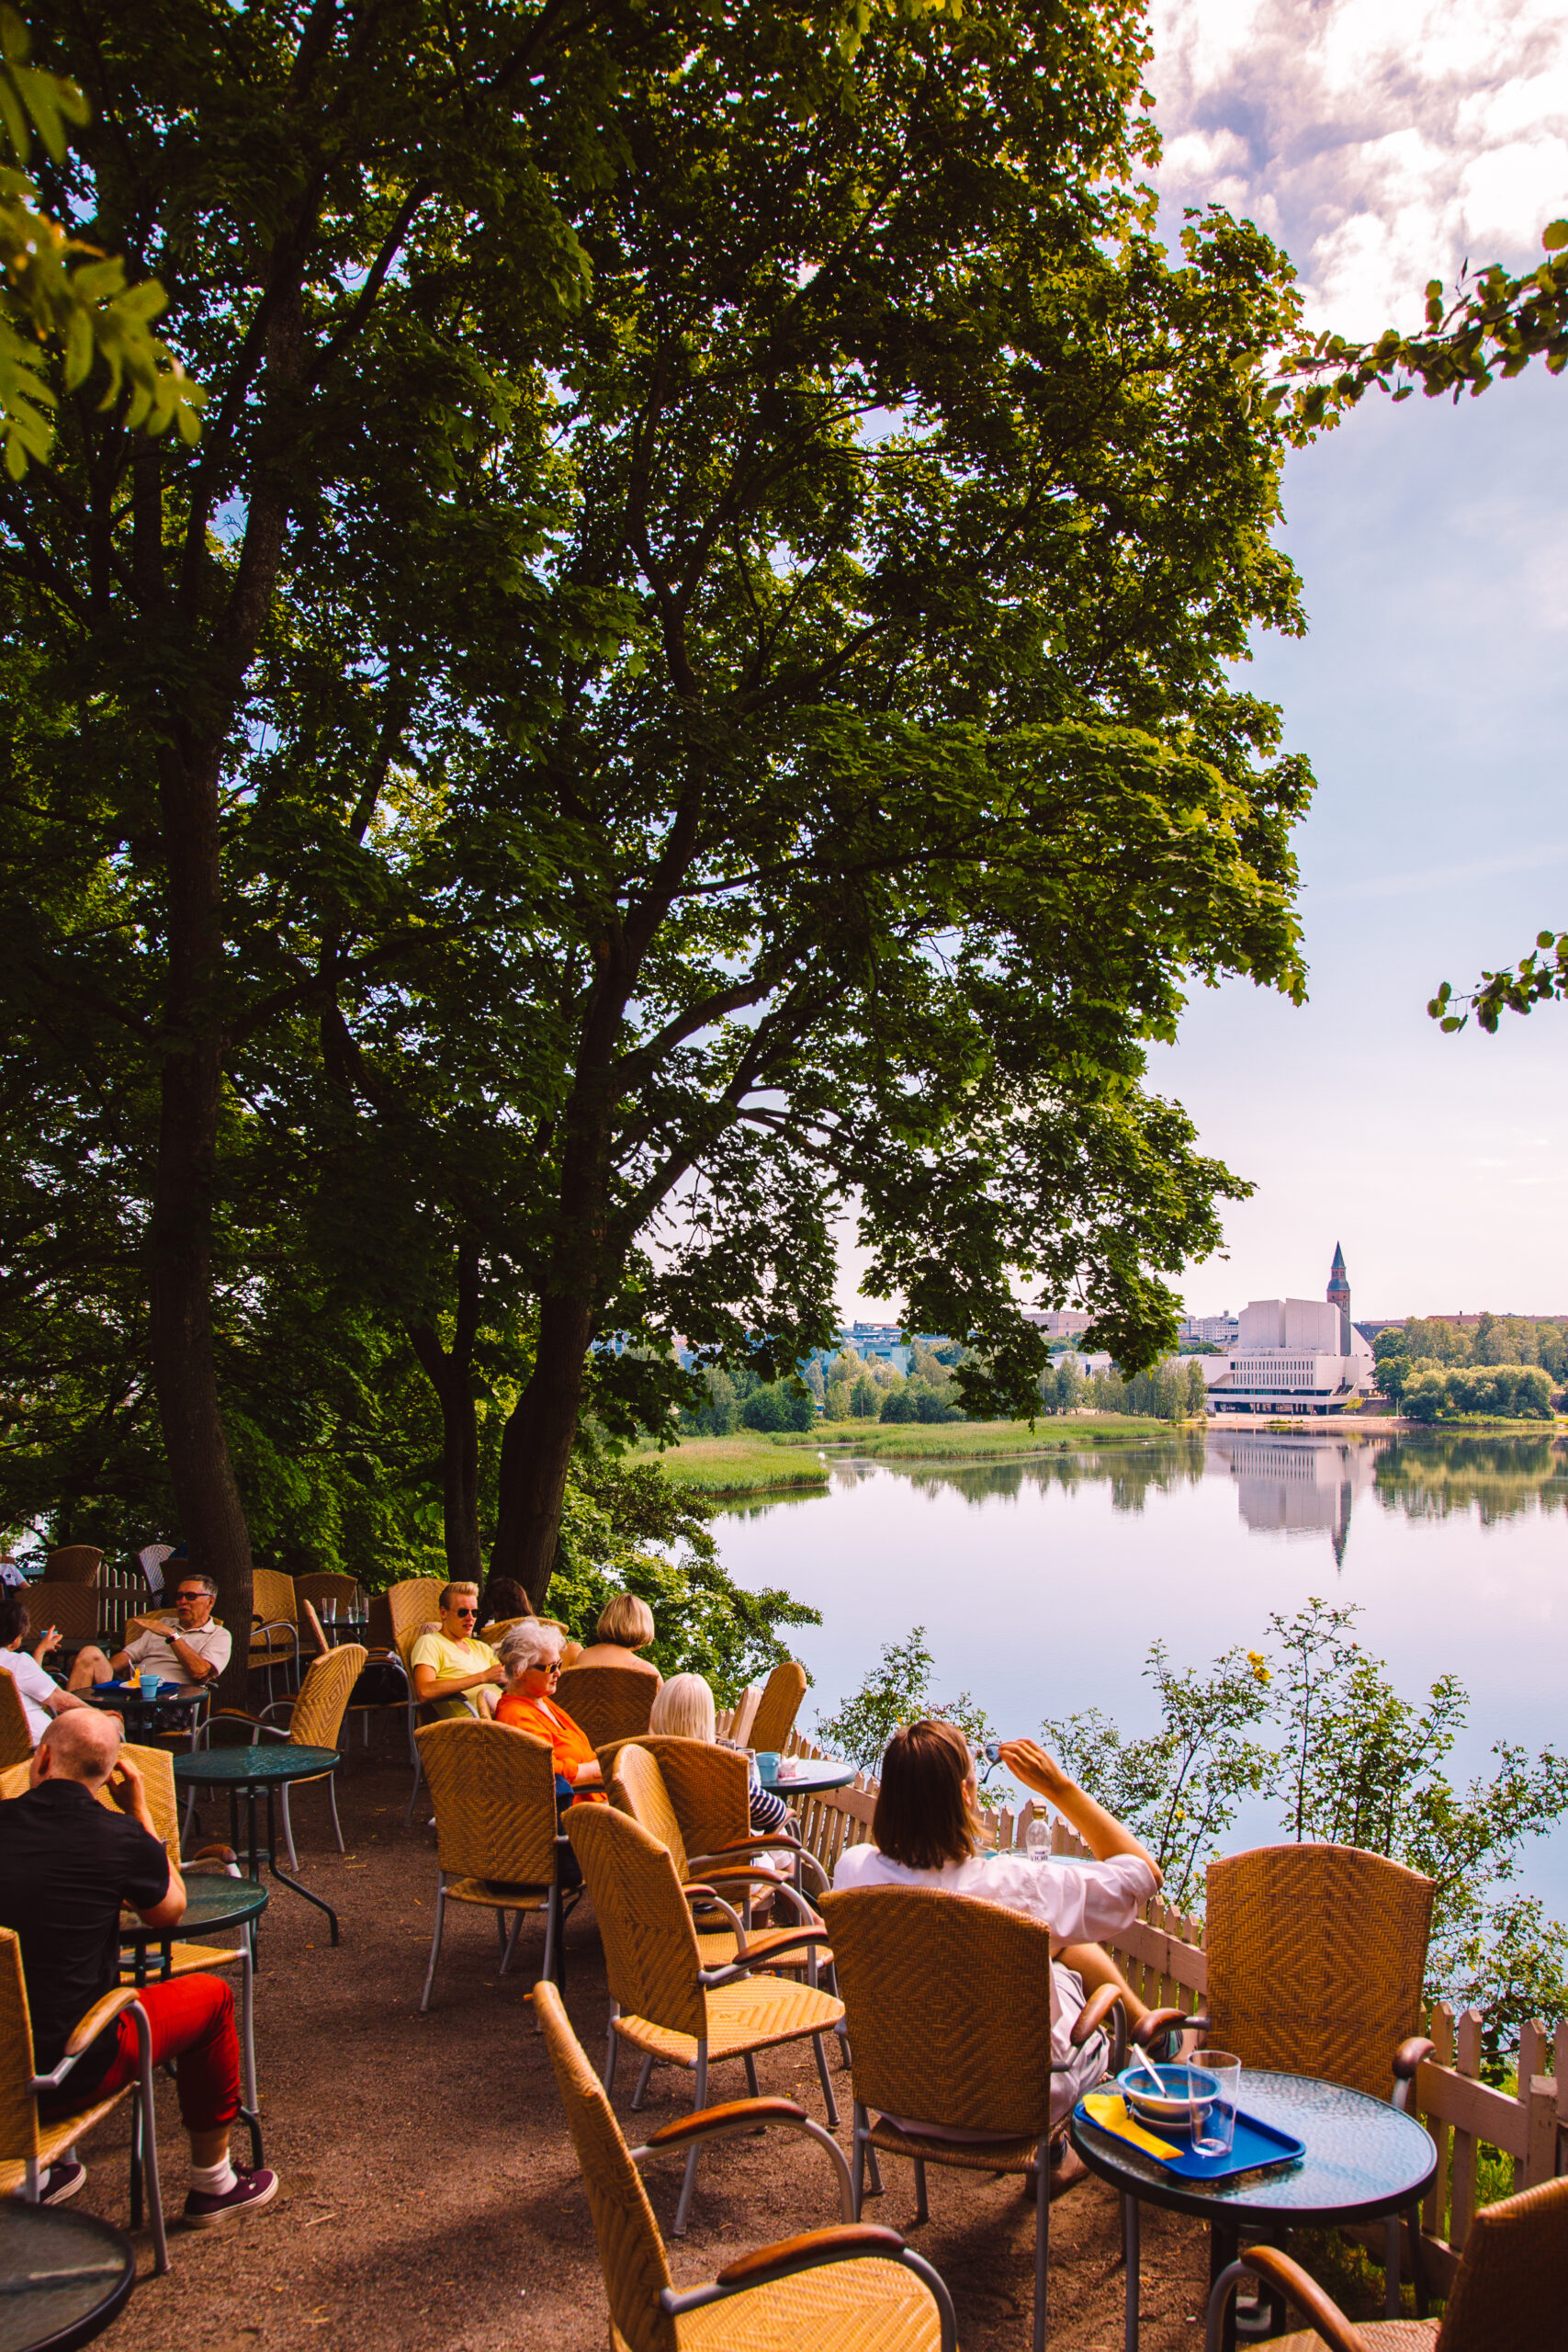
(752,1465)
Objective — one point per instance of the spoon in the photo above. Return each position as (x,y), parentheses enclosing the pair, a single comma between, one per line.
(1150,2069)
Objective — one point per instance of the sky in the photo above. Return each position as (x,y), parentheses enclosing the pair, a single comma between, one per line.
(1382,142)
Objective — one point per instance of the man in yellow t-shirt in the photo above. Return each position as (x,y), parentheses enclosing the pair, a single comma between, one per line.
(450,1667)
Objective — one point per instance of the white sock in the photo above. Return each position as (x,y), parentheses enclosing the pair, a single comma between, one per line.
(213,2180)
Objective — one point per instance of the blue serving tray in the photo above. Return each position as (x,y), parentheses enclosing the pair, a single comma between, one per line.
(1257,2147)
(133,1689)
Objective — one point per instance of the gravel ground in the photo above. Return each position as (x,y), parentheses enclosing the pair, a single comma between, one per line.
(430,2200)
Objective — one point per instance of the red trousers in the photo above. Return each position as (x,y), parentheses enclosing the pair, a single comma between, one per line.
(192,2019)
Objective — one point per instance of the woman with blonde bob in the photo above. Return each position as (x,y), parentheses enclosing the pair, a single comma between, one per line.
(626,1626)
(926,1831)
(685,1710)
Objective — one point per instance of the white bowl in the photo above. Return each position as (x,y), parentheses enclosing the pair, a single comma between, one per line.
(1174,2105)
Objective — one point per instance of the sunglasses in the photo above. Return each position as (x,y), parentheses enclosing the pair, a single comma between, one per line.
(197,1595)
(464,1611)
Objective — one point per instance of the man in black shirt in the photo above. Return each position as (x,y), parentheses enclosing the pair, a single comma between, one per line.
(67,1864)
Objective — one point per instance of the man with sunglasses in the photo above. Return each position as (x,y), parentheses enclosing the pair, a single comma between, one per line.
(192,1651)
(451,1670)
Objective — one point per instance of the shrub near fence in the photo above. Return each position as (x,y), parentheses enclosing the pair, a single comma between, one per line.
(1162,1956)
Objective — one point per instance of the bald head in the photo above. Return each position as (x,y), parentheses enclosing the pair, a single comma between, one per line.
(81,1744)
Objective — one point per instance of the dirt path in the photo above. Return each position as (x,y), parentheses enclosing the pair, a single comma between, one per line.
(431,2197)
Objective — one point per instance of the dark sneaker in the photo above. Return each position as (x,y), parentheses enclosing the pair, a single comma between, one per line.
(62,2181)
(251,2190)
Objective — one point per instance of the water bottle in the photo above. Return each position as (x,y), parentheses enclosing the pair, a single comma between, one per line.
(1037,1839)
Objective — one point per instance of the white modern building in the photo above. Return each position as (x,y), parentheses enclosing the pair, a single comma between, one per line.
(1293,1356)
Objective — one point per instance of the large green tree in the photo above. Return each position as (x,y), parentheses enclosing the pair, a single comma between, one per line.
(687,683)
(931,503)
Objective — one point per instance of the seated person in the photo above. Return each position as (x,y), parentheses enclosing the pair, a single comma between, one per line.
(22,1658)
(502,1599)
(192,1651)
(454,1673)
(626,1626)
(66,1866)
(530,1658)
(926,1832)
(685,1710)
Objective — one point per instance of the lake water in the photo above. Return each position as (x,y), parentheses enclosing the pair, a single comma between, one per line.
(1041,1582)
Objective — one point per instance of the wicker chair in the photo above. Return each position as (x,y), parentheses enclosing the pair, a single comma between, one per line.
(640,1789)
(947,2007)
(74,1564)
(72,1608)
(318,1589)
(15,1735)
(498,1845)
(841,2288)
(663,2002)
(610,1702)
(1316,1955)
(413,1604)
(29,2146)
(275,1629)
(777,1708)
(1507,2295)
(312,1718)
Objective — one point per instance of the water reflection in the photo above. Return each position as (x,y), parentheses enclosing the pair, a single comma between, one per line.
(1291,1484)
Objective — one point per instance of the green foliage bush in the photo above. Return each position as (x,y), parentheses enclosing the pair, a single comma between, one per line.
(898,1690)
(1502,1392)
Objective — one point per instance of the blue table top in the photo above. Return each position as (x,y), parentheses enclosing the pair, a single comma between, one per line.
(1363,2156)
(241,1766)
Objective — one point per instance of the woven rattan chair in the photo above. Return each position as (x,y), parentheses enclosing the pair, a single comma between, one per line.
(312,1717)
(949,2005)
(663,2003)
(74,1564)
(777,1708)
(72,1608)
(275,1630)
(29,2145)
(609,1702)
(16,1733)
(498,1845)
(413,1604)
(1510,2294)
(1316,1956)
(640,1789)
(318,1588)
(843,2290)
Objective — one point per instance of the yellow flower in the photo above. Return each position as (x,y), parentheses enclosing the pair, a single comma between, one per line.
(1259,1666)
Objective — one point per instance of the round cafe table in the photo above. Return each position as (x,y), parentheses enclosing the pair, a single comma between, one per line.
(172,1709)
(254,1773)
(811,1776)
(214,1903)
(1365,2158)
(63,2277)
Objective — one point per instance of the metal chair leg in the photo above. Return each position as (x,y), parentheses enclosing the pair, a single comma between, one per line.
(1041,2235)
(857,2158)
(640,2092)
(826,2082)
(922,2211)
(148,2167)
(332,1799)
(1134,2254)
(288,1830)
(684,2208)
(434,1947)
(750,2064)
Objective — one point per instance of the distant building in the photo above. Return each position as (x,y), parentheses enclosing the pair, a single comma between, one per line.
(1057,1322)
(1220,1331)
(1293,1356)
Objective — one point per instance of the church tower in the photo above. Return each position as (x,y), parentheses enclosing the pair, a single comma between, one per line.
(1339,1296)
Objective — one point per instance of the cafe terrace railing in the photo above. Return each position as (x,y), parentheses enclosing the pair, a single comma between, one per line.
(1162,1956)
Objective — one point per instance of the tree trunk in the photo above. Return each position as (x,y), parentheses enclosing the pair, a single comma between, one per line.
(535,1452)
(449,1372)
(207,1495)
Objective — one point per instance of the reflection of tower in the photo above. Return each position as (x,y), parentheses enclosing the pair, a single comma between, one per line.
(1339,1296)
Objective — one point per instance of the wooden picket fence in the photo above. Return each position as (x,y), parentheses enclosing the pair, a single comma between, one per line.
(1162,1956)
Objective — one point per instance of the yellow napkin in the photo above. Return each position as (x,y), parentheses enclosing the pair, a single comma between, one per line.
(1110,2113)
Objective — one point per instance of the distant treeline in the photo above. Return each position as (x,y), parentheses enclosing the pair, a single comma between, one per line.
(1432,1371)
(850,1388)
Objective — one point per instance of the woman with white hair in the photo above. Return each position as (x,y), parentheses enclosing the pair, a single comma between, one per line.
(683,1709)
(531,1655)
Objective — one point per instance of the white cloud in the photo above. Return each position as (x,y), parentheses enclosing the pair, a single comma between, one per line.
(1382,141)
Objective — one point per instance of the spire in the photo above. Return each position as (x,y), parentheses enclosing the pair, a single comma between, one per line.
(1339,1296)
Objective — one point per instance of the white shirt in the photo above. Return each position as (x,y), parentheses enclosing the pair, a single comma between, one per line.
(1079,1902)
(34,1688)
(159,1657)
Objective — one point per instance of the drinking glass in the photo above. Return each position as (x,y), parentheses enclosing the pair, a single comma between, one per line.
(1214,2132)
(1037,1839)
(330,1609)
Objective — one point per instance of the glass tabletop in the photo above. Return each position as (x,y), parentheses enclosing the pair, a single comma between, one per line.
(811,1774)
(65,2276)
(238,1766)
(213,1901)
(1363,2156)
